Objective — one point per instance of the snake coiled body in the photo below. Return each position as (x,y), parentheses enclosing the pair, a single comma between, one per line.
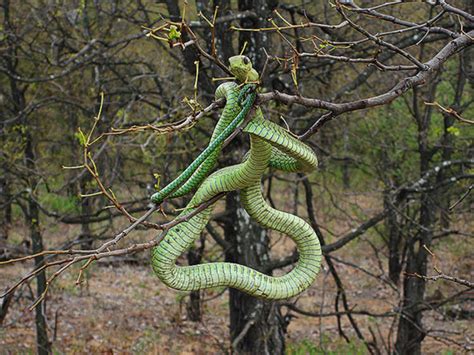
(270,145)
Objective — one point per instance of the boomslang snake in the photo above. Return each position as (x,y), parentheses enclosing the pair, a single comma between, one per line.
(270,146)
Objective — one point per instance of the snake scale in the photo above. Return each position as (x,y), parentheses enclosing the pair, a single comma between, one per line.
(270,146)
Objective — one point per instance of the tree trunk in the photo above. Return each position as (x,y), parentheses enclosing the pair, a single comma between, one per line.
(447,142)
(5,207)
(32,219)
(193,307)
(17,94)
(42,342)
(410,328)
(86,211)
(256,326)
(392,224)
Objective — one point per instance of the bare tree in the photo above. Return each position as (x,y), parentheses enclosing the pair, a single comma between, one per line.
(326,73)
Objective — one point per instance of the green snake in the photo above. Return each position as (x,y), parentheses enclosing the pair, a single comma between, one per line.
(270,146)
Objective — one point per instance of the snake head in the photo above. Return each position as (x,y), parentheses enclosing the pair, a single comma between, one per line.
(241,68)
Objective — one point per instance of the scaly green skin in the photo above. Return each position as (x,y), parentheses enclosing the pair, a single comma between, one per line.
(193,175)
(270,145)
(229,92)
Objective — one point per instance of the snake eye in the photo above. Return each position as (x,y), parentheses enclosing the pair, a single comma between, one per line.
(246,60)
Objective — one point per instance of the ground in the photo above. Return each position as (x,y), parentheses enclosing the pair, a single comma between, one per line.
(123,308)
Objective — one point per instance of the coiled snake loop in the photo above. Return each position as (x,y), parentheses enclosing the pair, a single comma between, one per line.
(270,146)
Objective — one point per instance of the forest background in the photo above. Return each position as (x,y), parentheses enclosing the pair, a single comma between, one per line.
(102,102)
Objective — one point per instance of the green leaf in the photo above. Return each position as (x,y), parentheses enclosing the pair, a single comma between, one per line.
(294,75)
(454,131)
(80,137)
(158,180)
(174,33)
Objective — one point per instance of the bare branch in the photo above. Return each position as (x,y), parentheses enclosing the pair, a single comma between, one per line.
(403,86)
